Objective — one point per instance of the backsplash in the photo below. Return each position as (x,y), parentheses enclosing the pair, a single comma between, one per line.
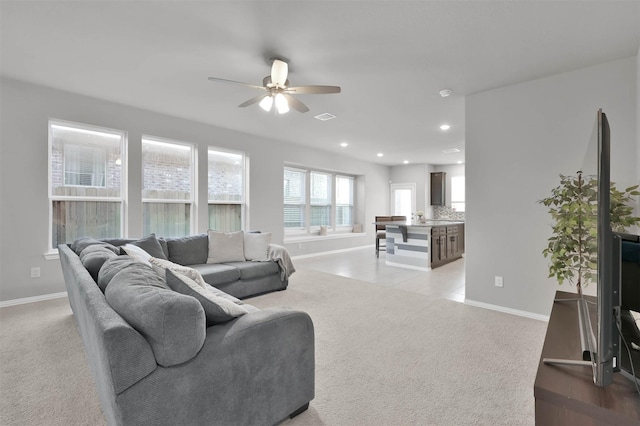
(444,212)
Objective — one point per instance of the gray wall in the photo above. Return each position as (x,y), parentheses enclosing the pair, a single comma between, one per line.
(24,212)
(518,139)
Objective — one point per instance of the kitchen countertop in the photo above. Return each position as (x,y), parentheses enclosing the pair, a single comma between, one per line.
(428,223)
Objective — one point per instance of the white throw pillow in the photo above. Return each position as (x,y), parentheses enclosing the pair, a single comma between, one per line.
(256,246)
(226,247)
(161,265)
(136,252)
(217,309)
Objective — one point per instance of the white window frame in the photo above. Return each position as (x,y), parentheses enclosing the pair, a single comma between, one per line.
(245,186)
(332,228)
(51,252)
(193,185)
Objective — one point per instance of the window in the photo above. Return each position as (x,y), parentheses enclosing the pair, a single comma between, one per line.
(226,183)
(344,200)
(457,193)
(311,202)
(167,187)
(84,165)
(294,198)
(86,182)
(320,199)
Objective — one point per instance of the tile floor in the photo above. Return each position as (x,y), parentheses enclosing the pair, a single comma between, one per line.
(444,282)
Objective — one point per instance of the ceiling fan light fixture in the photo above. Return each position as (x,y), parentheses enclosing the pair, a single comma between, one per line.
(279,71)
(281,104)
(266,103)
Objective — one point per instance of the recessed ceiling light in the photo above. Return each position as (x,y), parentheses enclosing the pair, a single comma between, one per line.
(446,92)
(445,127)
(459,162)
(450,150)
(325,116)
(344,144)
(406,161)
(380,154)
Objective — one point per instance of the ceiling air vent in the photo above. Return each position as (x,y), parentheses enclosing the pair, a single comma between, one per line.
(450,150)
(325,116)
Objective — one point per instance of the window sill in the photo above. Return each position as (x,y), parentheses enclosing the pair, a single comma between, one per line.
(52,255)
(308,238)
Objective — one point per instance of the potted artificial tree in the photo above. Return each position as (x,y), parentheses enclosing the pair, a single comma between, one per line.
(573,246)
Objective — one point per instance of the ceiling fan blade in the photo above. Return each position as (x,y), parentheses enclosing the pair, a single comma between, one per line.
(313,90)
(253,101)
(295,103)
(253,86)
(279,71)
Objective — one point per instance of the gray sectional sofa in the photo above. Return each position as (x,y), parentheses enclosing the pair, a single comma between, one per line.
(161,355)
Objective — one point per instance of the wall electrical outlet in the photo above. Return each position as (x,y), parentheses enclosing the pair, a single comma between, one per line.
(499,281)
(35,272)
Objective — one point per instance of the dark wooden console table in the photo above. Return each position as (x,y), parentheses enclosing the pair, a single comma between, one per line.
(566,395)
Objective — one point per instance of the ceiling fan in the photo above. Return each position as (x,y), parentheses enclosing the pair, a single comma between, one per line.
(278,92)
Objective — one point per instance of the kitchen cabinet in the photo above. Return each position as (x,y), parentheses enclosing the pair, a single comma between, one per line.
(447,244)
(438,188)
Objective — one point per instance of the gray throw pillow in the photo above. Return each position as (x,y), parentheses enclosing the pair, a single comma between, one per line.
(217,309)
(111,267)
(161,265)
(173,324)
(225,247)
(93,257)
(190,250)
(80,244)
(151,245)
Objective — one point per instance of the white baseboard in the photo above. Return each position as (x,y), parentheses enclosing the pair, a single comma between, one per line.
(511,311)
(323,253)
(24,300)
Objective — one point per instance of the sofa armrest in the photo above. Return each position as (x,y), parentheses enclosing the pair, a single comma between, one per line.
(256,369)
(119,356)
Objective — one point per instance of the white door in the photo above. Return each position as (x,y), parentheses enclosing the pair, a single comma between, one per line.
(403,199)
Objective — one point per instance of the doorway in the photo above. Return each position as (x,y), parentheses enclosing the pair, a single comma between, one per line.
(403,199)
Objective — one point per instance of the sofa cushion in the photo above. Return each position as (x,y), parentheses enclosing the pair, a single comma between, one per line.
(174,324)
(81,243)
(93,257)
(160,266)
(217,273)
(165,249)
(217,309)
(225,247)
(188,250)
(256,246)
(111,267)
(151,245)
(224,295)
(251,270)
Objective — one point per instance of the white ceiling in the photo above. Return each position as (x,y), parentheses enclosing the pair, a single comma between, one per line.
(391,59)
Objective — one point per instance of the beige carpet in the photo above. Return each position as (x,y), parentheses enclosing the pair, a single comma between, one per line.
(383,357)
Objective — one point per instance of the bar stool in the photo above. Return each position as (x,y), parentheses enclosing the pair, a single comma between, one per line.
(381,232)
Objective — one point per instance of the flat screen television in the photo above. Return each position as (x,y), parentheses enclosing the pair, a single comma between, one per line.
(606,353)
(600,321)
